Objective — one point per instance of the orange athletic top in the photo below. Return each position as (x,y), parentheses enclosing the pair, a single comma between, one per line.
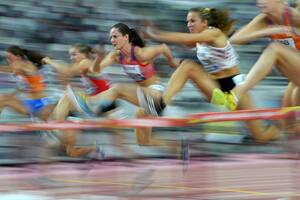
(34,83)
(292,38)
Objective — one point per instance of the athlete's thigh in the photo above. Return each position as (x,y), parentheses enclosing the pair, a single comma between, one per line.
(16,104)
(155,94)
(46,112)
(289,59)
(127,91)
(296,96)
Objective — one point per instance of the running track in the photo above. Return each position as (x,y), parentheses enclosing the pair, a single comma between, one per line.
(259,177)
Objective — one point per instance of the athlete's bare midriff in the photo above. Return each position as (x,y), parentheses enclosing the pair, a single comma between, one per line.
(36,95)
(225,73)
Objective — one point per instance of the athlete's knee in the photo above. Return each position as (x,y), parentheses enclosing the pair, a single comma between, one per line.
(186,63)
(274,47)
(188,67)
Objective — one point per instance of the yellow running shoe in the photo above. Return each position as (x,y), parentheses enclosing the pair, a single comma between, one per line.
(231,101)
(218,97)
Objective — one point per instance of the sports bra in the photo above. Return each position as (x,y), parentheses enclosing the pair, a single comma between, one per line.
(94,84)
(136,70)
(32,83)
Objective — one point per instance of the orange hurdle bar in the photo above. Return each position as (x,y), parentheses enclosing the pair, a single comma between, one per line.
(190,120)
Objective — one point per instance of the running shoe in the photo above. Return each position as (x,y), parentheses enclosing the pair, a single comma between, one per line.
(223,98)
(79,100)
(231,101)
(218,97)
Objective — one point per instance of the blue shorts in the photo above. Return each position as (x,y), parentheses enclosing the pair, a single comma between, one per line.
(36,105)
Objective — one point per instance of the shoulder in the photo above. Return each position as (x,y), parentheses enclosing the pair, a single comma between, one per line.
(211,31)
(113,54)
(85,62)
(139,51)
(217,36)
(261,19)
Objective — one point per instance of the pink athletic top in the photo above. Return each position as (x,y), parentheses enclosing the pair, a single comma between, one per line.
(136,70)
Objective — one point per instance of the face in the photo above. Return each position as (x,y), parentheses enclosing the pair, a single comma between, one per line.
(194,23)
(117,39)
(10,57)
(269,6)
(76,56)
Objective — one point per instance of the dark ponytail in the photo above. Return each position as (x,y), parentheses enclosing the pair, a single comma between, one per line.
(32,56)
(133,35)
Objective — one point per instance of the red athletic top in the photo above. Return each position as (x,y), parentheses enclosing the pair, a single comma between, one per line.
(94,84)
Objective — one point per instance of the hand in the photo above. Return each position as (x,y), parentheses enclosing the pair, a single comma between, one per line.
(150,29)
(46,60)
(99,50)
(175,62)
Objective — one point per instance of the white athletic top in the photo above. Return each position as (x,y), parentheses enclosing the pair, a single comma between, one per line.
(216,59)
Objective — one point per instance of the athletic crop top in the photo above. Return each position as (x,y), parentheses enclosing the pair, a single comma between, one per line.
(94,84)
(136,70)
(32,83)
(291,39)
(216,59)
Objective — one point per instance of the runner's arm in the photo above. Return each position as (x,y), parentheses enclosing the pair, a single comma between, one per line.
(249,31)
(99,63)
(147,54)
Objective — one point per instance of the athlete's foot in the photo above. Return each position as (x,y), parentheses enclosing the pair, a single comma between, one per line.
(79,100)
(218,97)
(231,100)
(223,98)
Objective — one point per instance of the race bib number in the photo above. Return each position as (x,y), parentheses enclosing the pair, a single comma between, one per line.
(134,72)
(287,41)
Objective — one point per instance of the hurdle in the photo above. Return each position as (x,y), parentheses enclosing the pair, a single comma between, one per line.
(190,120)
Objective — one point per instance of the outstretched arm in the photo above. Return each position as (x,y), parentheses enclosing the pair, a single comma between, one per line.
(5,69)
(267,32)
(69,70)
(189,39)
(251,31)
(146,54)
